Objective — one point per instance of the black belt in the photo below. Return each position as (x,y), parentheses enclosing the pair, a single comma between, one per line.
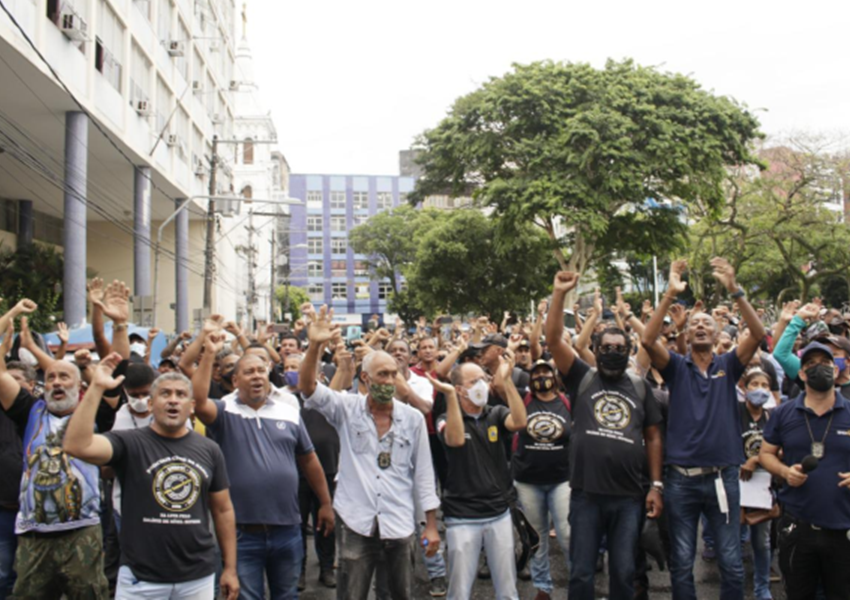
(257,528)
(813,527)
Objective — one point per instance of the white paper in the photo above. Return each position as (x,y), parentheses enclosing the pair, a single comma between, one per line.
(755,493)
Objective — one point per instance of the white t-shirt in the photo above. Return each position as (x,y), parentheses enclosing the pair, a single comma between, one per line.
(421,387)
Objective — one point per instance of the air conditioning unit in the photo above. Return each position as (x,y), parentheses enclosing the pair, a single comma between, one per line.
(74,27)
(197,87)
(143,107)
(200,169)
(217,119)
(234,85)
(175,48)
(215,46)
(172,139)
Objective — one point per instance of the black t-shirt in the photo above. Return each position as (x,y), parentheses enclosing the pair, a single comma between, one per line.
(324,437)
(478,480)
(752,431)
(542,455)
(607,454)
(216,391)
(11,462)
(165,529)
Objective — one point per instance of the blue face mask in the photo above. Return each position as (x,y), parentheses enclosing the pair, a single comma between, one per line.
(840,363)
(758,397)
(291,378)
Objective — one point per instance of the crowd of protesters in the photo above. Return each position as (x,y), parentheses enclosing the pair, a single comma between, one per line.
(615,432)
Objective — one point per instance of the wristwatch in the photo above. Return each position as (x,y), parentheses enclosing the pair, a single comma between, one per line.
(739,294)
(658,485)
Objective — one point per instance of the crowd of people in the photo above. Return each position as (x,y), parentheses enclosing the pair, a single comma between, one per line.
(205,475)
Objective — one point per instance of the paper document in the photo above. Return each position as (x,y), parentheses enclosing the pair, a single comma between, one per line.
(755,493)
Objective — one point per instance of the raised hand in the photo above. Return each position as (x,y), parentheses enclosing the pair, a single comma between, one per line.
(322,328)
(565,281)
(542,308)
(809,312)
(95,290)
(82,358)
(441,386)
(597,302)
(102,375)
(25,307)
(679,316)
(646,308)
(212,324)
(115,303)
(214,343)
(789,309)
(675,285)
(26,335)
(62,333)
(724,273)
(186,335)
(152,333)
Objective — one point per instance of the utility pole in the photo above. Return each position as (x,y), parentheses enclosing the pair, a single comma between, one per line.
(272,296)
(251,281)
(210,242)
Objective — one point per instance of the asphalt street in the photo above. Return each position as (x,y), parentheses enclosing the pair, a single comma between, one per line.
(707,576)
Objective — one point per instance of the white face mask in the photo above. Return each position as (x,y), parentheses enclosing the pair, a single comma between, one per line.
(27,357)
(138,348)
(478,393)
(140,404)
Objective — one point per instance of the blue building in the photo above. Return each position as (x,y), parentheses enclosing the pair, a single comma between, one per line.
(321,260)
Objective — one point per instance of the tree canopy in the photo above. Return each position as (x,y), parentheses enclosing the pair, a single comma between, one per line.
(573,150)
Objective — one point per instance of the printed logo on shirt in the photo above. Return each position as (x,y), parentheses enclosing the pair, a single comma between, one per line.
(493,433)
(752,444)
(177,486)
(612,412)
(544,428)
(280,424)
(720,374)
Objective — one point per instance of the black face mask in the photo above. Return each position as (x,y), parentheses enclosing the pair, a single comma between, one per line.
(543,384)
(612,365)
(228,375)
(820,378)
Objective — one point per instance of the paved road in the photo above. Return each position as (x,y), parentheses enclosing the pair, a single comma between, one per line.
(707,578)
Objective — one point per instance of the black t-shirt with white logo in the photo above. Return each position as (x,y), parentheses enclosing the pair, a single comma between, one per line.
(478,480)
(607,454)
(166,482)
(542,455)
(752,431)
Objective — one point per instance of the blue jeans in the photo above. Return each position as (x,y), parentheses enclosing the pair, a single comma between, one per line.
(538,502)
(277,554)
(760,540)
(591,517)
(685,498)
(8,544)
(130,588)
(464,538)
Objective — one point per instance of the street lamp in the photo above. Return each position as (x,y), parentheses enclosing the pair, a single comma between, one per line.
(183,206)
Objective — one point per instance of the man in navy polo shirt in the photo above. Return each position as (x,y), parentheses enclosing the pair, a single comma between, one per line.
(814,532)
(265,443)
(704,449)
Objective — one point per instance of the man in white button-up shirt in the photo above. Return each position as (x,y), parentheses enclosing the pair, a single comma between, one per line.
(385,471)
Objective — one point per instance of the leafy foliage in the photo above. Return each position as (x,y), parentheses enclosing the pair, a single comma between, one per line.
(297,297)
(35,272)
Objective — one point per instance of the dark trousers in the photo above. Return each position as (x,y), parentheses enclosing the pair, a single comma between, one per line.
(808,556)
(325,544)
(111,546)
(438,458)
(359,556)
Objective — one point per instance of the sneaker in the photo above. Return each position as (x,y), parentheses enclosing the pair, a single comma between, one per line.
(302,581)
(708,554)
(327,578)
(541,595)
(525,574)
(484,571)
(438,587)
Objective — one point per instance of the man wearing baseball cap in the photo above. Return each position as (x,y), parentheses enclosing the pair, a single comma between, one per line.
(813,431)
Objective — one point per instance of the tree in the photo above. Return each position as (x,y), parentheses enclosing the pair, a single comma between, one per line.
(564,144)
(463,265)
(389,240)
(34,271)
(297,297)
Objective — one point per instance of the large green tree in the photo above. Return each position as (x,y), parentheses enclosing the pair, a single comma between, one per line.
(35,272)
(465,265)
(574,149)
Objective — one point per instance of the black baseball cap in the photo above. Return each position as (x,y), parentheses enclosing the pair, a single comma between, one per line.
(541,363)
(494,339)
(815,347)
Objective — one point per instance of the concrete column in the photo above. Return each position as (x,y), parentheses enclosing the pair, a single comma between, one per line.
(181,269)
(142,232)
(74,237)
(25,223)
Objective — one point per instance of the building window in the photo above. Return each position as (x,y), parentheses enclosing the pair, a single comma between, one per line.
(339,291)
(384,200)
(163,104)
(314,223)
(144,7)
(358,220)
(338,200)
(314,269)
(402,198)
(316,292)
(361,200)
(337,223)
(139,76)
(361,291)
(109,43)
(339,268)
(314,245)
(164,21)
(384,291)
(339,245)
(360,269)
(314,199)
(248,152)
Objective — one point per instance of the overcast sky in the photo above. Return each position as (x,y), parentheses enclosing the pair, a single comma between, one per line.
(350,83)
